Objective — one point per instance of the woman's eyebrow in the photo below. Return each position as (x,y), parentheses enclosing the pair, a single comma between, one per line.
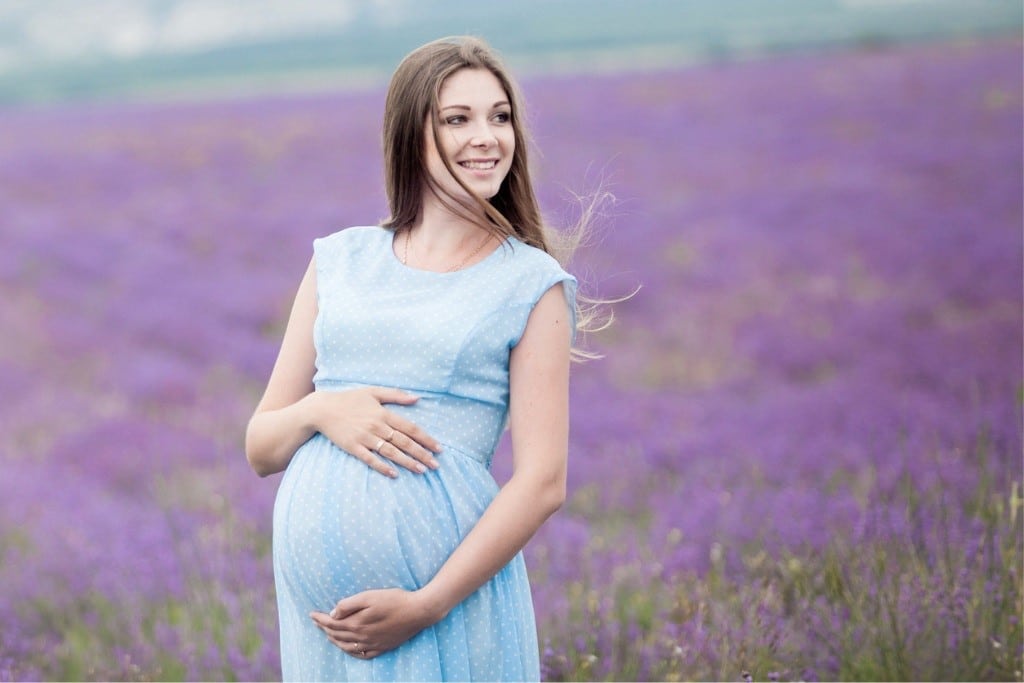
(499,103)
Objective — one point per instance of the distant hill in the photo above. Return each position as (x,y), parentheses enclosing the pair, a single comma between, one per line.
(169,48)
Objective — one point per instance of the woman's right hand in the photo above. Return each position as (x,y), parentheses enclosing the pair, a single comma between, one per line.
(357,422)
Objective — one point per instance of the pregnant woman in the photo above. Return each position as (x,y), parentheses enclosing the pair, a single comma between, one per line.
(410,346)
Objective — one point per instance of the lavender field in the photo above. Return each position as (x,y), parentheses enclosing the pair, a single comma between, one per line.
(800,458)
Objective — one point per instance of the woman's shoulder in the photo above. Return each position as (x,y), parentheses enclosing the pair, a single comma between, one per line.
(536,270)
(350,243)
(532,258)
(352,236)
(536,260)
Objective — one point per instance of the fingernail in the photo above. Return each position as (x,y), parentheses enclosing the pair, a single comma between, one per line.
(420,468)
(392,474)
(434,463)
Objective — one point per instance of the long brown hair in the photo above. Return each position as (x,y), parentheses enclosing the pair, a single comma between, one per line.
(413,99)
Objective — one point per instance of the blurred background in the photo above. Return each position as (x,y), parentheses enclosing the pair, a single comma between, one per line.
(52,50)
(800,457)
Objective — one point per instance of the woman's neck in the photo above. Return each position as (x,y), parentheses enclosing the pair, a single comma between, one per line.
(442,240)
(439,228)
(439,222)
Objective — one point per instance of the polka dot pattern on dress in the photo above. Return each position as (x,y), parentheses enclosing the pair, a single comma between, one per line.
(341,528)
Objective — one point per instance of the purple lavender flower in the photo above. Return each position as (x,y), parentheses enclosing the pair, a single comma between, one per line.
(820,377)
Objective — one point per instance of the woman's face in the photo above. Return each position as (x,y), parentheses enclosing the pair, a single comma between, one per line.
(475,134)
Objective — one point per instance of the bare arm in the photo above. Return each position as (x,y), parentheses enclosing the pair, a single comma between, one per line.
(290,412)
(372,622)
(539,424)
(283,420)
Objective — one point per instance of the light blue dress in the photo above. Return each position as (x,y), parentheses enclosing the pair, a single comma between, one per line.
(340,527)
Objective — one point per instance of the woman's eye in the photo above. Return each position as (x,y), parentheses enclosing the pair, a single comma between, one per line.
(453,120)
(503,117)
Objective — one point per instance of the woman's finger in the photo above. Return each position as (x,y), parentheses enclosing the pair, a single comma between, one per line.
(348,606)
(335,629)
(341,637)
(359,651)
(353,646)
(389,451)
(373,462)
(345,639)
(397,456)
(407,446)
(411,431)
(390,395)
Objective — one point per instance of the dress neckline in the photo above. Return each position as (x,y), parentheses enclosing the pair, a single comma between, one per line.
(389,241)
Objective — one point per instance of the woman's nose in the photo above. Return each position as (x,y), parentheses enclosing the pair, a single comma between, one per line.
(482,136)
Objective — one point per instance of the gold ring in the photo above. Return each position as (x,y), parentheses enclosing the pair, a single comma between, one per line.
(379,444)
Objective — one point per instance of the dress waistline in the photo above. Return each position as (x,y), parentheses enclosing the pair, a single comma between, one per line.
(434,414)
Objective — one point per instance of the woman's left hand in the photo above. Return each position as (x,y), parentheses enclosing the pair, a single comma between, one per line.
(370,623)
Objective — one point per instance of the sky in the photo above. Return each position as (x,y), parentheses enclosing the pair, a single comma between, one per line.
(49,48)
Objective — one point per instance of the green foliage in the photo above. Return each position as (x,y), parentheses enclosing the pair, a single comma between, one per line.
(906,608)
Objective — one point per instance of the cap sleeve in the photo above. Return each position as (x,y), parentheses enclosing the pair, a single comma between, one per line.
(545,274)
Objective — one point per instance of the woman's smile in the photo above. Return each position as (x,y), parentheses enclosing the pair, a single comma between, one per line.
(475,135)
(479,164)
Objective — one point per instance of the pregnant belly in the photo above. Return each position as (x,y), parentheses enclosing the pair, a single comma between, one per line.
(340,527)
